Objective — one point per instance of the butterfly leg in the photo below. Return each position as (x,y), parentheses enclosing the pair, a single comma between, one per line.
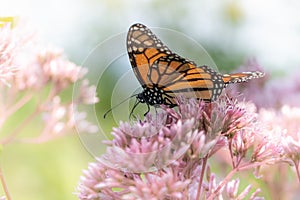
(155,110)
(147,110)
(155,113)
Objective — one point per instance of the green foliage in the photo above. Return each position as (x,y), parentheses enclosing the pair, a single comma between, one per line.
(44,171)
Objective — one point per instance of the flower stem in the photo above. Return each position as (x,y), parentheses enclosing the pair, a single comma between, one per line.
(231,154)
(297,170)
(231,173)
(18,105)
(16,131)
(4,185)
(226,180)
(201,177)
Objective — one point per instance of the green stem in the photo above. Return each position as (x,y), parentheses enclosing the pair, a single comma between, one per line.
(18,105)
(4,185)
(16,131)
(297,170)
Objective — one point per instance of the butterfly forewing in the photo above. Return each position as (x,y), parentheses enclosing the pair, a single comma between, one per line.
(143,49)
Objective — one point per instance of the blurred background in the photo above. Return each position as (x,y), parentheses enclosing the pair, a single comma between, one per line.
(231,32)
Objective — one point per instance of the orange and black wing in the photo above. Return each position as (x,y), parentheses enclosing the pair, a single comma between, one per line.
(157,68)
(144,48)
(241,77)
(178,76)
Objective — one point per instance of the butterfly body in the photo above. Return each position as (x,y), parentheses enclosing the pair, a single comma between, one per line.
(152,95)
(165,75)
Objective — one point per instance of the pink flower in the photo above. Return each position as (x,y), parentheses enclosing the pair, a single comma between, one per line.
(43,78)
(87,93)
(277,92)
(232,188)
(159,185)
(269,149)
(49,66)
(283,128)
(12,41)
(291,148)
(143,147)
(279,141)
(59,70)
(162,157)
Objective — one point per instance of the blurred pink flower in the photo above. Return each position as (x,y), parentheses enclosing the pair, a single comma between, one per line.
(291,148)
(87,93)
(283,124)
(49,66)
(268,149)
(12,41)
(58,69)
(232,188)
(268,92)
(39,92)
(42,77)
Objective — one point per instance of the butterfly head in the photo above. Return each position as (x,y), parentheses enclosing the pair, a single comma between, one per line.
(140,97)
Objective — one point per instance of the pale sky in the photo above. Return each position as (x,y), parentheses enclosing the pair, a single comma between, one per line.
(271,31)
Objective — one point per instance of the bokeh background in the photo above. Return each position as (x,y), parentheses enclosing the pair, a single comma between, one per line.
(231,31)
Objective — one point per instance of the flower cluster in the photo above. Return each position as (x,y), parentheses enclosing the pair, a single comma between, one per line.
(12,41)
(165,156)
(277,100)
(39,79)
(284,125)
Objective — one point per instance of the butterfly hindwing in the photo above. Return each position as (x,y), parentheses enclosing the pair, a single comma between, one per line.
(177,75)
(241,77)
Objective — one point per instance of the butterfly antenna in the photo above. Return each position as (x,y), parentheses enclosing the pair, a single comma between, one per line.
(105,114)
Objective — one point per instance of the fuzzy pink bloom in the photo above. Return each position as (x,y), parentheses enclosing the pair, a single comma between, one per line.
(284,127)
(49,66)
(269,148)
(12,41)
(42,77)
(280,143)
(87,93)
(291,148)
(58,69)
(160,185)
(142,153)
(162,157)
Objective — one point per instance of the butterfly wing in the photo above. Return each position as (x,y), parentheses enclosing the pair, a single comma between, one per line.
(179,76)
(154,64)
(156,67)
(241,77)
(144,48)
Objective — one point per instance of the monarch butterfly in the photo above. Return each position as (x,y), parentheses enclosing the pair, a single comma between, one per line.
(164,74)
